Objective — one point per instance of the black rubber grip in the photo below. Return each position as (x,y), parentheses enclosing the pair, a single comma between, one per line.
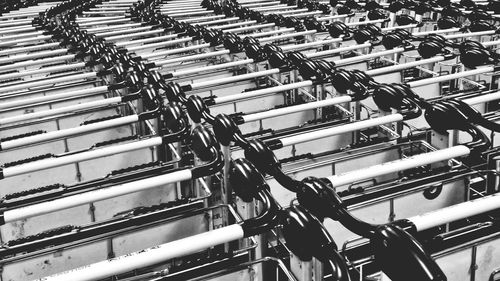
(20,136)
(42,235)
(161,206)
(101,119)
(113,141)
(27,160)
(135,168)
(32,191)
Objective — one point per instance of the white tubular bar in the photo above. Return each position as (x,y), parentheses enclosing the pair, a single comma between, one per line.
(471,34)
(399,67)
(399,165)
(185,2)
(15,15)
(15,29)
(368,56)
(386,29)
(268,33)
(97,30)
(263,92)
(448,77)
(147,40)
(439,31)
(79,157)
(28,49)
(491,43)
(45,82)
(332,17)
(20,22)
(176,3)
(106,12)
(15,23)
(25,40)
(182,9)
(48,98)
(9,30)
(251,27)
(338,50)
(311,44)
(287,12)
(91,23)
(482,98)
(284,36)
(207,19)
(192,57)
(364,22)
(212,67)
(251,1)
(175,51)
(36,62)
(33,56)
(234,78)
(114,4)
(34,33)
(295,108)
(105,9)
(179,3)
(274,7)
(229,64)
(215,20)
(182,5)
(456,212)
(279,9)
(351,127)
(60,110)
(151,256)
(119,2)
(96,195)
(93,19)
(307,14)
(65,133)
(191,13)
(56,68)
(271,3)
(120,35)
(125,4)
(26,12)
(161,44)
(231,25)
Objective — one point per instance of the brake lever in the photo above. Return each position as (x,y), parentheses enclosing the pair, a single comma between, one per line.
(249,184)
(473,115)
(198,110)
(390,243)
(438,116)
(306,237)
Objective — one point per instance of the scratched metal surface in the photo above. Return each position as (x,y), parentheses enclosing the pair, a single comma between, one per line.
(378,213)
(37,267)
(70,174)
